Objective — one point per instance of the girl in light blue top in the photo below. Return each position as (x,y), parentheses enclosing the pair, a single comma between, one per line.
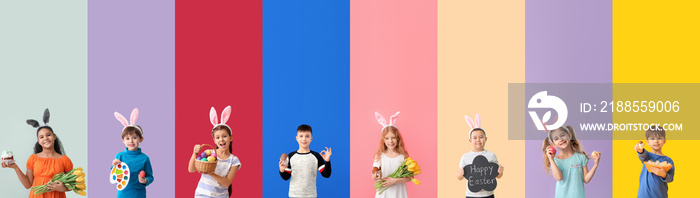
(569,168)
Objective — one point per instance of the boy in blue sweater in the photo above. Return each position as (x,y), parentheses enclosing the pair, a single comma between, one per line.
(654,183)
(137,161)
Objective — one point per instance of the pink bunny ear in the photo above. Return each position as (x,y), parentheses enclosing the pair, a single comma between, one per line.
(477,121)
(134,116)
(469,121)
(121,118)
(212,117)
(380,118)
(225,114)
(393,118)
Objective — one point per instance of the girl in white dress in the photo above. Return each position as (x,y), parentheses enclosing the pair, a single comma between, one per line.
(389,156)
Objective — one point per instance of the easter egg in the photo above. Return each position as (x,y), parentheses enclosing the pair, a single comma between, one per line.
(552,150)
(199,157)
(204,159)
(208,152)
(213,154)
(203,155)
(211,158)
(142,174)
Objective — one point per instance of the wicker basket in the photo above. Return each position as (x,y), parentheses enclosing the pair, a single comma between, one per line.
(205,166)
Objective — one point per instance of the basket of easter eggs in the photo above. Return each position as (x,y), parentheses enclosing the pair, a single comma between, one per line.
(206,161)
(656,164)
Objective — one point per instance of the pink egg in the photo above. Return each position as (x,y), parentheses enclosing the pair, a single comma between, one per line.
(213,154)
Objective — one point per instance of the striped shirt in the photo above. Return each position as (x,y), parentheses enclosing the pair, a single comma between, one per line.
(208,187)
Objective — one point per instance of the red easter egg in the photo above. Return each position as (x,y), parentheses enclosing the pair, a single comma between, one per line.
(552,150)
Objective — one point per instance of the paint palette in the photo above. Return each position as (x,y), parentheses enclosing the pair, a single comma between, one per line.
(120,176)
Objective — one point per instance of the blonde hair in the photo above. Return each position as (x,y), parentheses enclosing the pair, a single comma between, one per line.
(575,145)
(399,140)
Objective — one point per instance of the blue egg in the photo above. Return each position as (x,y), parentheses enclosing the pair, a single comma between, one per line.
(124,167)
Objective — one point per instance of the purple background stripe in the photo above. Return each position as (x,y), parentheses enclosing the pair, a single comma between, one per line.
(131,64)
(568,42)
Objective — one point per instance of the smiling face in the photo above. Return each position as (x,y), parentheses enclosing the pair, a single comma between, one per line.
(304,139)
(478,140)
(132,141)
(560,139)
(656,142)
(46,138)
(390,140)
(222,138)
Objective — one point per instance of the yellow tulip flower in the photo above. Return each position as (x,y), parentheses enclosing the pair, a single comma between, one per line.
(415,181)
(77,172)
(80,192)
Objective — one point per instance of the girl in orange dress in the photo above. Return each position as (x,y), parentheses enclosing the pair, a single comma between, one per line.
(47,160)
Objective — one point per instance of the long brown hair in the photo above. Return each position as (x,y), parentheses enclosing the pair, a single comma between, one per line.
(399,140)
(575,145)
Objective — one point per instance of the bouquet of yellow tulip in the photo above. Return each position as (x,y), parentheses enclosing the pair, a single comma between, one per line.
(73,180)
(409,168)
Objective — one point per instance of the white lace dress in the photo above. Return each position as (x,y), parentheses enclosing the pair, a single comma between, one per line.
(389,165)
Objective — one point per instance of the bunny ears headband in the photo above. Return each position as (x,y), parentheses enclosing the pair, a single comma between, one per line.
(134,115)
(382,121)
(225,115)
(474,125)
(565,129)
(35,123)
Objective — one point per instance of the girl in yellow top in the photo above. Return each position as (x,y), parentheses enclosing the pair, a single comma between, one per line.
(47,160)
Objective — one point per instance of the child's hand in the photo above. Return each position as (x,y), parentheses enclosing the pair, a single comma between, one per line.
(550,155)
(197,149)
(500,169)
(5,165)
(116,162)
(389,181)
(596,156)
(460,172)
(282,166)
(143,179)
(376,176)
(658,171)
(639,147)
(326,154)
(56,186)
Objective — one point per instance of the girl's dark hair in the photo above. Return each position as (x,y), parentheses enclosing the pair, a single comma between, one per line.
(230,146)
(57,146)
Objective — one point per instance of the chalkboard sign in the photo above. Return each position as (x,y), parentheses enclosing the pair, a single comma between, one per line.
(481,174)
